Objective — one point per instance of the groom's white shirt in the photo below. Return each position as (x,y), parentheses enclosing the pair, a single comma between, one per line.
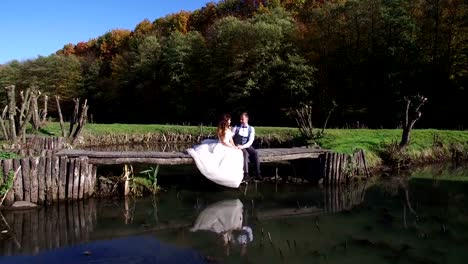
(244,132)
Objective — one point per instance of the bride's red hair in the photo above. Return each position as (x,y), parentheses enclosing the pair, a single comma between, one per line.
(223,125)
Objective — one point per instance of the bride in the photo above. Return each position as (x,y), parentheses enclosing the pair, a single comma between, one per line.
(220,160)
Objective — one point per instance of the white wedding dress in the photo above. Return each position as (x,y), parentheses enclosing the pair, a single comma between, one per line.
(219,163)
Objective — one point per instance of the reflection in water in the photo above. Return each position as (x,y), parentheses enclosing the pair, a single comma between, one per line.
(225,218)
(63,225)
(395,221)
(343,197)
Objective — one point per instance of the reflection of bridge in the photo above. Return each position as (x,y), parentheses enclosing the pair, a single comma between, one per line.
(32,231)
(74,223)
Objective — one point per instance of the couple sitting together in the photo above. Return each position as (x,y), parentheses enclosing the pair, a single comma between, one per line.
(226,161)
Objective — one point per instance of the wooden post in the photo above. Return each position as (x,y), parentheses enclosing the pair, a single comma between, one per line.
(25,168)
(34,180)
(76,178)
(69,182)
(18,184)
(93,179)
(55,180)
(62,176)
(90,180)
(48,180)
(7,167)
(41,179)
(83,177)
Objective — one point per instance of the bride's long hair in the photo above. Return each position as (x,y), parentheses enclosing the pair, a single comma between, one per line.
(223,125)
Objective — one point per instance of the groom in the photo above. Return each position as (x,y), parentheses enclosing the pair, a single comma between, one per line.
(243,138)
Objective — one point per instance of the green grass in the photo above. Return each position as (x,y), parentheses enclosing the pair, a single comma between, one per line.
(339,140)
(8,155)
(105,129)
(372,140)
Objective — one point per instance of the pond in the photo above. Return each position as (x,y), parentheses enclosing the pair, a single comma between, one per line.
(423,219)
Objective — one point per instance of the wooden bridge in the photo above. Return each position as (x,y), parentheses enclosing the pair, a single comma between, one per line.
(72,174)
(178,158)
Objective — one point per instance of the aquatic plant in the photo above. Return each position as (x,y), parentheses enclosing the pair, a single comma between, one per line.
(152,176)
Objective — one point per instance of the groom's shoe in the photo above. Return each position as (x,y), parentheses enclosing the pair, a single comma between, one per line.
(246,177)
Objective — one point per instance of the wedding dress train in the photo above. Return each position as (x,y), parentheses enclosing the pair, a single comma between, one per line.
(219,163)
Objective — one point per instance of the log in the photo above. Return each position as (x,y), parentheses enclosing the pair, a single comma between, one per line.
(18,184)
(7,167)
(76,179)
(63,188)
(34,180)
(69,182)
(41,180)
(48,180)
(25,168)
(83,177)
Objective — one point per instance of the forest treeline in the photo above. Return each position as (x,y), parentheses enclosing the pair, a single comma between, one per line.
(267,57)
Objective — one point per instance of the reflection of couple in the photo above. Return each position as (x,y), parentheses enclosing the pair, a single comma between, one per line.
(225,161)
(225,218)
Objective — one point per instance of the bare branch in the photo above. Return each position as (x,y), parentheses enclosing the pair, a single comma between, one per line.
(62,126)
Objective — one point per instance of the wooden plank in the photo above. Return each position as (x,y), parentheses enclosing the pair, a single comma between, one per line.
(69,182)
(41,180)
(76,179)
(18,184)
(7,167)
(83,177)
(156,154)
(33,179)
(25,168)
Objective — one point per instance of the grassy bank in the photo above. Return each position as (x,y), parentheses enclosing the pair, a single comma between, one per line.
(427,145)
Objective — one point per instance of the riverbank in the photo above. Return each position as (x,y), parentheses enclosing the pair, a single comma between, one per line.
(427,145)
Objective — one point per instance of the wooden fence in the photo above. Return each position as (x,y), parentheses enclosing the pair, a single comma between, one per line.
(49,179)
(339,168)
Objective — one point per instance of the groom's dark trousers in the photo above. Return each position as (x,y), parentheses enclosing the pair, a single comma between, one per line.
(251,154)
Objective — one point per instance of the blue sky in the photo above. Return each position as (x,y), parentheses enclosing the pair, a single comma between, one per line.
(29,28)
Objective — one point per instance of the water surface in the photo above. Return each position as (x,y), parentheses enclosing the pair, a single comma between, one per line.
(423,219)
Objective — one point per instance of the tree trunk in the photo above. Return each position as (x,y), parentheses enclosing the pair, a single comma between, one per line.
(62,126)
(11,110)
(2,123)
